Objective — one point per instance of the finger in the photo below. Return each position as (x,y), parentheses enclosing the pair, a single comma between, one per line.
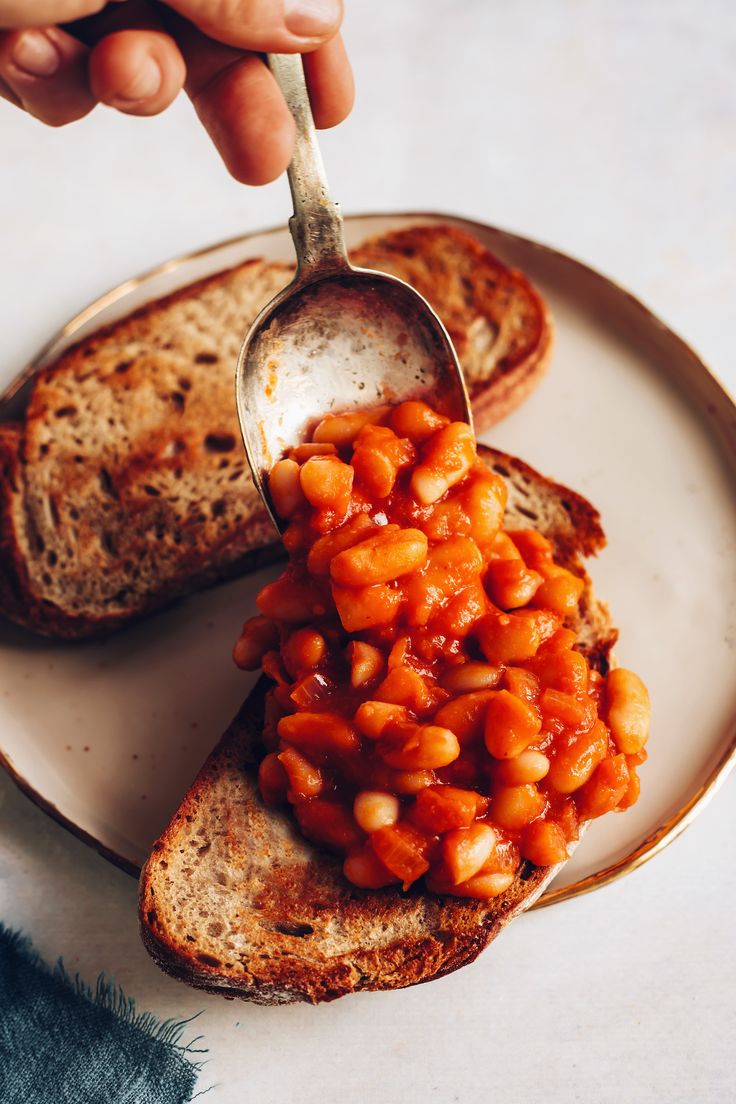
(330,83)
(246,117)
(139,72)
(239,103)
(266,26)
(40,13)
(46,71)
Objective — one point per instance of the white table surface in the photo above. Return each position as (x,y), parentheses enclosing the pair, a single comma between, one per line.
(608,131)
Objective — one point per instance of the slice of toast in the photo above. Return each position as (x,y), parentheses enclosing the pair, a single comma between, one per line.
(498,322)
(126,485)
(234,900)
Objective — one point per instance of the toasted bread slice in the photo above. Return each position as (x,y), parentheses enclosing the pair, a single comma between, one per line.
(498,322)
(235,901)
(126,486)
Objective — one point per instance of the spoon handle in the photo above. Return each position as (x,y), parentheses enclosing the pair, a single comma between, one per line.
(316,225)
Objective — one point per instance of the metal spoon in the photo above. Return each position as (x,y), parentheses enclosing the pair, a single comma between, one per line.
(338,337)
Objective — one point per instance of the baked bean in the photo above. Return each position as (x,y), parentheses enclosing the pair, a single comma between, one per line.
(566,711)
(444,520)
(485,502)
(605,789)
(323,733)
(305,780)
(410,747)
(469,771)
(534,548)
(543,843)
(416,420)
(471,676)
(560,591)
(513,807)
(404,686)
(465,851)
(529,766)
(327,482)
(291,600)
(628,710)
(374,809)
(375,471)
(460,614)
(503,548)
(411,782)
(363,868)
(378,458)
(450,566)
(439,809)
(514,637)
(511,583)
(306,451)
(273,780)
(372,717)
(325,548)
(572,765)
(385,556)
(285,488)
(485,886)
(562,670)
(448,457)
(296,538)
(465,715)
(258,636)
(366,663)
(342,429)
(303,651)
(457,561)
(631,794)
(511,725)
(561,641)
(522,683)
(328,822)
(400,450)
(362,608)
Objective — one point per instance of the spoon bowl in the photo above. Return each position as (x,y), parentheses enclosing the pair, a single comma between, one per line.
(337,337)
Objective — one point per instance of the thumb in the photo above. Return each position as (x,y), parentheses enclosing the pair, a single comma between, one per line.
(265,26)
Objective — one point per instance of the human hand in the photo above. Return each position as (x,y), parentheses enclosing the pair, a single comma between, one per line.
(136,55)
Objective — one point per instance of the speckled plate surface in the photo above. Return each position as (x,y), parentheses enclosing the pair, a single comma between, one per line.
(107,736)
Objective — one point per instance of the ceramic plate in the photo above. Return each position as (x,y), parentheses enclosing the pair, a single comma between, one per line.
(107,736)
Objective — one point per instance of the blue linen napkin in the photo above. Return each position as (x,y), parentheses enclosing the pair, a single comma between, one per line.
(63,1043)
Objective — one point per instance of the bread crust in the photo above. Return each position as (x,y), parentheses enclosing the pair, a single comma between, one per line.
(234,901)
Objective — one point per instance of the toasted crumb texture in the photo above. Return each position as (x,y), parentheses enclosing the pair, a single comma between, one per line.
(234,900)
(127,485)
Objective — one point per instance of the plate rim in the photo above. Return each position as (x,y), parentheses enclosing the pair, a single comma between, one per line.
(670,828)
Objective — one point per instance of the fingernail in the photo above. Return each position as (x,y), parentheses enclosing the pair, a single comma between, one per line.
(35,54)
(311,18)
(145,84)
